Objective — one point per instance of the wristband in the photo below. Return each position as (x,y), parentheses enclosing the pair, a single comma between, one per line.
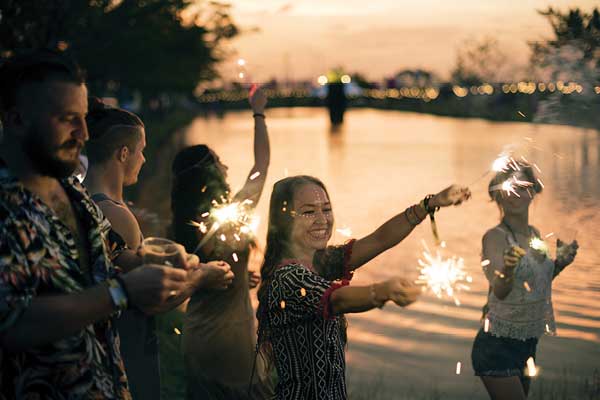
(259,115)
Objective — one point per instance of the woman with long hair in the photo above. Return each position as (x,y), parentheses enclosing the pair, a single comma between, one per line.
(305,289)
(520,273)
(219,333)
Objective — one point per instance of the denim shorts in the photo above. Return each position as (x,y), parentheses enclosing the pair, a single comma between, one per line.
(501,356)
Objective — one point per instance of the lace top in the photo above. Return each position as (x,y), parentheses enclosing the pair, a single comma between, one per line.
(527,310)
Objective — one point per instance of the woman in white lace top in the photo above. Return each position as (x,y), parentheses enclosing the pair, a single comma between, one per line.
(520,272)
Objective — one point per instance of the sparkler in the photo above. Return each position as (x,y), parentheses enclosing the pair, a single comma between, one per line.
(443,275)
(511,184)
(539,245)
(235,215)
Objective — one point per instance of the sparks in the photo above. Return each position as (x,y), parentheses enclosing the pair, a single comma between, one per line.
(486,325)
(526,285)
(501,163)
(531,368)
(485,263)
(549,235)
(347,232)
(234,216)
(442,275)
(521,114)
(539,245)
(302,292)
(177,331)
(458,365)
(235,257)
(511,184)
(541,183)
(254,175)
(282,304)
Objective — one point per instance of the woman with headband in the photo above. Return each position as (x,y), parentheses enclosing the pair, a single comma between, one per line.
(219,332)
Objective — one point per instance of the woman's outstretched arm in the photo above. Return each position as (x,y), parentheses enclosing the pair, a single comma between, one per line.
(356,299)
(262,152)
(397,228)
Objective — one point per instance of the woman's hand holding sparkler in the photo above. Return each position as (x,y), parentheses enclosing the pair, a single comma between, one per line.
(451,196)
(212,275)
(401,291)
(512,256)
(565,253)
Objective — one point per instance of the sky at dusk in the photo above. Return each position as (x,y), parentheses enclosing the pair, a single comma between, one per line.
(304,38)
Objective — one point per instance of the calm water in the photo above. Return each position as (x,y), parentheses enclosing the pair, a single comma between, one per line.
(379,163)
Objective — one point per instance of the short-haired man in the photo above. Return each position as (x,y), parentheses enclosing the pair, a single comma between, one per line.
(59,290)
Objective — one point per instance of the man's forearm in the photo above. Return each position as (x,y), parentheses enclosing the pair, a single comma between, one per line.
(50,318)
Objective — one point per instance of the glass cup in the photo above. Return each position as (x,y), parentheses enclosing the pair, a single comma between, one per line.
(161,251)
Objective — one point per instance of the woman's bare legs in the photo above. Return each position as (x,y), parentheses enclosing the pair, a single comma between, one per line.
(504,388)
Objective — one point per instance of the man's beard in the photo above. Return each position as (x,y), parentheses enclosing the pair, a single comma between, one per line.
(43,155)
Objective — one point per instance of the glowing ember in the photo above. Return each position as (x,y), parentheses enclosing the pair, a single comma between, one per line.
(347,232)
(485,263)
(531,368)
(235,257)
(223,237)
(442,275)
(282,304)
(458,365)
(486,325)
(549,235)
(302,292)
(254,175)
(521,114)
(527,286)
(177,331)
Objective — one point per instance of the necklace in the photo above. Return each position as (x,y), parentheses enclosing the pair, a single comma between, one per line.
(512,232)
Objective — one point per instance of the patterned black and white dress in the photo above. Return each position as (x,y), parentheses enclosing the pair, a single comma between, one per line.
(308,340)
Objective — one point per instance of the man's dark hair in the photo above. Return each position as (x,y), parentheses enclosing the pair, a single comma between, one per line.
(34,66)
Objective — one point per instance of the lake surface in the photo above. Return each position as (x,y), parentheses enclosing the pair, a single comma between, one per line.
(379,163)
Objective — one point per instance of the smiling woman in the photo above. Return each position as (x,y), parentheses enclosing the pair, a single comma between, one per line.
(305,288)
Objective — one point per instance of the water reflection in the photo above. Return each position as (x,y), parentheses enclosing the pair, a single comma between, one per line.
(379,163)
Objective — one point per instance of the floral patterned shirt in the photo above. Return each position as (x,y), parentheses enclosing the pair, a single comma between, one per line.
(39,257)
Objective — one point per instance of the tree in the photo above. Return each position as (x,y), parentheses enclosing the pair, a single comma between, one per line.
(153,46)
(571,56)
(478,61)
(572,28)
